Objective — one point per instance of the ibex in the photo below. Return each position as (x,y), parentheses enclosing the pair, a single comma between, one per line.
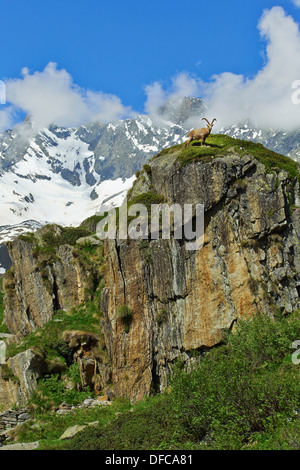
(200,134)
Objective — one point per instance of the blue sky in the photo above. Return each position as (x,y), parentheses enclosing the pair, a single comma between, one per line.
(120,47)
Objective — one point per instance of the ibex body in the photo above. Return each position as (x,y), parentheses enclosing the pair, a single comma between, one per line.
(200,134)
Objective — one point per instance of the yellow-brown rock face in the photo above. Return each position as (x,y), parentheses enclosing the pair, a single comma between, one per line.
(181,300)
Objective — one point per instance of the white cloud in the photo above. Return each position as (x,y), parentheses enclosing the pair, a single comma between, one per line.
(296,3)
(6,118)
(52,96)
(181,85)
(266,98)
(156,96)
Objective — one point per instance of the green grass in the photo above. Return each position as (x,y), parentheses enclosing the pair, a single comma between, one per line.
(51,239)
(245,389)
(151,197)
(220,145)
(90,224)
(48,426)
(3,327)
(47,341)
(150,425)
(67,236)
(51,391)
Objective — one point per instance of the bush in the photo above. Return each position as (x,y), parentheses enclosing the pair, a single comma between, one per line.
(243,387)
(51,391)
(67,236)
(151,425)
(244,395)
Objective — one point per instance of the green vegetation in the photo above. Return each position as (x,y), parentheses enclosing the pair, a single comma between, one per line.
(29,237)
(48,426)
(52,238)
(244,390)
(47,341)
(151,424)
(245,394)
(151,197)
(147,199)
(125,315)
(3,327)
(147,169)
(7,374)
(161,317)
(90,224)
(52,391)
(67,236)
(220,145)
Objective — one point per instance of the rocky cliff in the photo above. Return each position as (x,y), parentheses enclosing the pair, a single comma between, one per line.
(162,302)
(47,275)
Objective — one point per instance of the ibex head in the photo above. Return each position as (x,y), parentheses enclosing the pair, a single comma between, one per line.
(208,123)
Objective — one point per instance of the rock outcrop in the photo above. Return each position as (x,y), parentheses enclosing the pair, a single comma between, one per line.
(18,378)
(179,302)
(12,418)
(182,301)
(43,279)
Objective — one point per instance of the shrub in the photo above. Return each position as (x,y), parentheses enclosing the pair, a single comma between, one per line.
(125,315)
(149,426)
(51,392)
(67,236)
(243,387)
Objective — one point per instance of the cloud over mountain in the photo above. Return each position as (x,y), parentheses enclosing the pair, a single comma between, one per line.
(52,96)
(266,98)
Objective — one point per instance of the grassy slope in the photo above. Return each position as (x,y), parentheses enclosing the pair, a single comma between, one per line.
(220,145)
(244,395)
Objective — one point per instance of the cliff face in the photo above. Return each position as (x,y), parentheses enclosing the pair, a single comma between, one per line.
(183,300)
(180,301)
(44,278)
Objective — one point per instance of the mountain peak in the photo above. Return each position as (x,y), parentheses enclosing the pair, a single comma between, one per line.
(180,110)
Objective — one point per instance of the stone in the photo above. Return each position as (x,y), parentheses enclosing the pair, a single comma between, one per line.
(23,417)
(93,423)
(89,240)
(103,398)
(25,370)
(21,446)
(88,402)
(72,431)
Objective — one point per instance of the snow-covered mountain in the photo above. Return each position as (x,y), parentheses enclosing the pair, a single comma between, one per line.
(284,142)
(64,175)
